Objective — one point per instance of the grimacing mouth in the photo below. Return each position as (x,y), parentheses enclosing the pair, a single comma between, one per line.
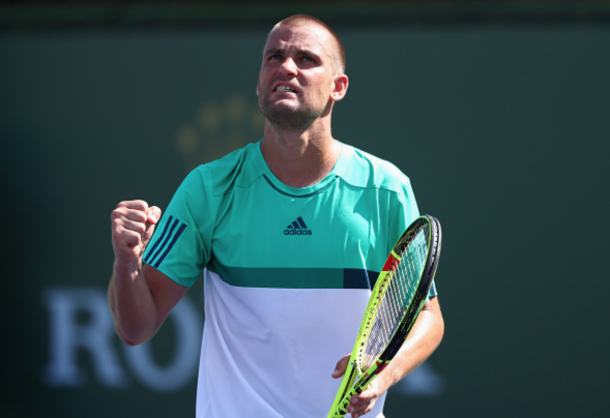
(285,88)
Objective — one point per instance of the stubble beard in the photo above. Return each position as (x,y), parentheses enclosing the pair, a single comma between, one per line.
(288,117)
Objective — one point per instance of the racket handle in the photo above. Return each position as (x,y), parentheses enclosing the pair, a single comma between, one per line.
(338,410)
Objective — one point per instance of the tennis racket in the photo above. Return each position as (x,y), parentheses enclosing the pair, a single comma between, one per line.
(395,303)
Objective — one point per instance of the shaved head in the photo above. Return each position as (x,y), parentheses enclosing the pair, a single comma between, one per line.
(337,52)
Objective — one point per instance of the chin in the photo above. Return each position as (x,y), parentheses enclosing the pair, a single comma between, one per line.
(272,109)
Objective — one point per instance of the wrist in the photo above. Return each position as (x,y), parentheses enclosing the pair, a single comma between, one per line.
(387,379)
(127,269)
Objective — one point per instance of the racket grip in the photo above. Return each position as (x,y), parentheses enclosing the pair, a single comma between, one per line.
(339,408)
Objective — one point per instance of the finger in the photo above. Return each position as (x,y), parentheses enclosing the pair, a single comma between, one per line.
(148,233)
(122,227)
(361,408)
(341,366)
(141,205)
(128,238)
(129,225)
(136,210)
(359,411)
(154,214)
(126,245)
(365,396)
(122,216)
(363,403)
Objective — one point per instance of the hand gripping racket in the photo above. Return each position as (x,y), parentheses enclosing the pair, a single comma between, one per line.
(395,303)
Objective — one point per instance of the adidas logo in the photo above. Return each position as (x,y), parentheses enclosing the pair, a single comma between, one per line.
(298,227)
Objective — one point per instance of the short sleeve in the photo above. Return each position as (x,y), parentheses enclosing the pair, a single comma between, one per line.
(404,211)
(181,245)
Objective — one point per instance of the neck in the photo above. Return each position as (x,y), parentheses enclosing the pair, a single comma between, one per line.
(300,158)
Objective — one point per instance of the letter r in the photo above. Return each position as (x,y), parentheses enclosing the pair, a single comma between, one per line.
(67,335)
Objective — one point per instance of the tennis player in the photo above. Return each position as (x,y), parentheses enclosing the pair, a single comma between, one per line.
(290,234)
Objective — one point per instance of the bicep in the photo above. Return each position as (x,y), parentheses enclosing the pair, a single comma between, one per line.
(431,312)
(429,326)
(165,292)
(433,306)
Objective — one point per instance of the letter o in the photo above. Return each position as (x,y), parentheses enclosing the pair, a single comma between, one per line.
(183,366)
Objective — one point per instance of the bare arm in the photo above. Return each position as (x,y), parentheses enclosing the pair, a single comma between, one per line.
(423,339)
(140,297)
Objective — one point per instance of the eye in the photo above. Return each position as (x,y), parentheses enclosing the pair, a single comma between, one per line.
(307,59)
(275,57)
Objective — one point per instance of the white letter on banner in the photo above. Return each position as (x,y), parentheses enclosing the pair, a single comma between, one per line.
(184,365)
(67,335)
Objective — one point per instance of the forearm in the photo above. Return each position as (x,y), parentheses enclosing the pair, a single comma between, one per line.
(424,338)
(132,305)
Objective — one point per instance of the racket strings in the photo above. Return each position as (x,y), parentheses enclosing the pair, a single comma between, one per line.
(401,285)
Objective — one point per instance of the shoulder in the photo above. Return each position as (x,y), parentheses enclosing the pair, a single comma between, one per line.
(362,169)
(239,168)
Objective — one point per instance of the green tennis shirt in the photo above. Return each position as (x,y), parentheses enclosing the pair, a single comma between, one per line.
(287,274)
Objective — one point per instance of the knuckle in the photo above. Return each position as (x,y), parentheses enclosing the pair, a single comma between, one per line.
(140,204)
(116,213)
(133,204)
(117,229)
(140,228)
(116,226)
(131,238)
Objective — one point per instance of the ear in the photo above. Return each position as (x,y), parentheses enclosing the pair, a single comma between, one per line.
(339,88)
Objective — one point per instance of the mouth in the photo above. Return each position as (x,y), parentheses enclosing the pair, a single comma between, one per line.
(285,88)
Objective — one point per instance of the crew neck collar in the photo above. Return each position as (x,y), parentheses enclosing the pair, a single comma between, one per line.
(301,191)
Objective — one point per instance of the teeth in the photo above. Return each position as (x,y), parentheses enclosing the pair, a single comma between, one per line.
(284,88)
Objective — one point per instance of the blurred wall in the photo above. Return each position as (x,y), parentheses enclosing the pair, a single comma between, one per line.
(503,131)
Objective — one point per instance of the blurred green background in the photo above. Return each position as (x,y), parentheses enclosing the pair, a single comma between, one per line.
(498,112)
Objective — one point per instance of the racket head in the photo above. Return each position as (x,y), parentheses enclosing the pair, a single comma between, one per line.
(399,294)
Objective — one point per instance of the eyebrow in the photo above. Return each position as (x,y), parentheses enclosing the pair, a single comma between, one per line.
(272,51)
(282,51)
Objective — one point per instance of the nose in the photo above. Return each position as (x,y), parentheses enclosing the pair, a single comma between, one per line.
(288,67)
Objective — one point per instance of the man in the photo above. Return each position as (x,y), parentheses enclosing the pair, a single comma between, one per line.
(290,233)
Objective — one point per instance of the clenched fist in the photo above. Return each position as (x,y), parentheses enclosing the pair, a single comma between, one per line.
(133,223)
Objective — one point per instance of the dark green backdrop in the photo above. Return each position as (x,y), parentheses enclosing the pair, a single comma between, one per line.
(503,131)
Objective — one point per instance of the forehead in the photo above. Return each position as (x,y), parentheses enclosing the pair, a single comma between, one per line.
(299,38)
